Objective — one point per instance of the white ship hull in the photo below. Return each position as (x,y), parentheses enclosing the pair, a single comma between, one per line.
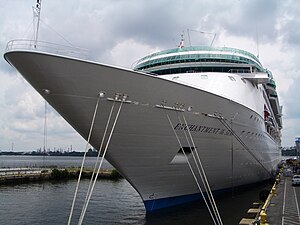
(144,148)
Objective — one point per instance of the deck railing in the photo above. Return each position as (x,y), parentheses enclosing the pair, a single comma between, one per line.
(47,47)
(18,171)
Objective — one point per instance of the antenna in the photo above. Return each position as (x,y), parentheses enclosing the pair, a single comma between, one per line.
(213,40)
(181,43)
(257,43)
(37,14)
(188,32)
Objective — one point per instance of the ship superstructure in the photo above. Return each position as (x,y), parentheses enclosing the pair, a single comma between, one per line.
(207,60)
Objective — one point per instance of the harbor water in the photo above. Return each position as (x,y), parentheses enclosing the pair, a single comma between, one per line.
(113,202)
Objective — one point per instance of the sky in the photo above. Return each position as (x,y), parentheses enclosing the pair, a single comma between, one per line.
(119,32)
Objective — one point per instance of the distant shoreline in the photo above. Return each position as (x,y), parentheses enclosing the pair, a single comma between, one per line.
(90,153)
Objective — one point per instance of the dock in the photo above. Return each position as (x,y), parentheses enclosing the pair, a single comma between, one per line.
(281,206)
(284,207)
(22,175)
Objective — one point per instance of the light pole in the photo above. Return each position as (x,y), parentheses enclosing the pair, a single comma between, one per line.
(297,141)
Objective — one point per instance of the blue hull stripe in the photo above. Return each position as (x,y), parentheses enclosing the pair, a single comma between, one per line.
(152,205)
(155,204)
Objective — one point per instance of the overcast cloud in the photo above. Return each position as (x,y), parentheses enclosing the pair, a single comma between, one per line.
(119,32)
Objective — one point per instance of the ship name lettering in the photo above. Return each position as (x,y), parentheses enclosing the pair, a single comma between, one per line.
(202,129)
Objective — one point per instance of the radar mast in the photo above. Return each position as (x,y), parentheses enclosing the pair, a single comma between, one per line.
(37,14)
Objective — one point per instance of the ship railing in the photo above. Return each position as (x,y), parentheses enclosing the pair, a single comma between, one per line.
(239,70)
(47,47)
(18,171)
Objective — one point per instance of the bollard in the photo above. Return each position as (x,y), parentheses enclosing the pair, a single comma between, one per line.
(273,191)
(263,218)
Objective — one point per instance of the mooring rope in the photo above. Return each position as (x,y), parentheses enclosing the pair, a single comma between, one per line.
(104,153)
(202,173)
(83,160)
(191,169)
(98,156)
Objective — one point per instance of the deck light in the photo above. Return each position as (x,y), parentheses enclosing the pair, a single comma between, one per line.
(101,94)
(46,91)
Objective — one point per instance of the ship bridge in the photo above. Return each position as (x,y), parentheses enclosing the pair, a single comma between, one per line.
(199,59)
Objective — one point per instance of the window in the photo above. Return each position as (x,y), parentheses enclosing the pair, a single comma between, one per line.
(231,78)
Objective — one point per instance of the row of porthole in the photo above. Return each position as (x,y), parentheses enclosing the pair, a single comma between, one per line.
(248,164)
(244,81)
(250,135)
(257,119)
(233,79)
(248,175)
(204,76)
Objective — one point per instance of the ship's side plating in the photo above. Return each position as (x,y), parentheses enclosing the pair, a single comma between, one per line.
(144,147)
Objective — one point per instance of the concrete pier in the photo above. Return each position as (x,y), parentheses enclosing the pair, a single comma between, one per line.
(21,175)
(284,207)
(281,206)
(17,175)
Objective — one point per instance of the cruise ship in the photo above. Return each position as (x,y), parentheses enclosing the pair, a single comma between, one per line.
(175,111)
